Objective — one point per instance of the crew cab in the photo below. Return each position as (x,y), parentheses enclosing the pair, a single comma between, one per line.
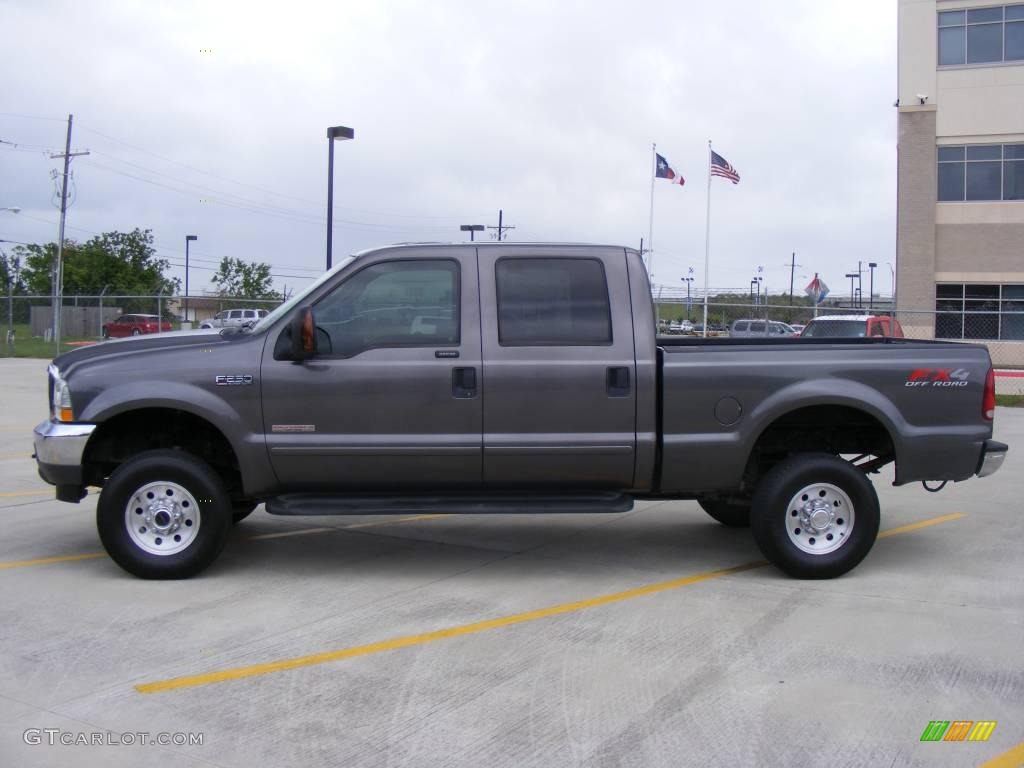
(229,318)
(469,378)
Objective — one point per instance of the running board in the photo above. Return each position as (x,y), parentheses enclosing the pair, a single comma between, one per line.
(456,504)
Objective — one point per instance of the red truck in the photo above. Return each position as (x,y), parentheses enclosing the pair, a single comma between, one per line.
(847,326)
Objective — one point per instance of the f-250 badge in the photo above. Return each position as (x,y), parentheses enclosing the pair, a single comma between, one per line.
(937,377)
(233,381)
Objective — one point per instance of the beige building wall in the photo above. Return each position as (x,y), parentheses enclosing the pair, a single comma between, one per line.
(969,242)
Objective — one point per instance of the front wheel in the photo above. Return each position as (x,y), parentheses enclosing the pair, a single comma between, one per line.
(164,515)
(815,516)
(136,332)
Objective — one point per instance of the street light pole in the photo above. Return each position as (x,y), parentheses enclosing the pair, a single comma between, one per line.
(853,276)
(871,284)
(688,281)
(472,229)
(188,239)
(337,133)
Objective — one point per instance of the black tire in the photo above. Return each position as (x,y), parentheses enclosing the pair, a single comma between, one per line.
(104,332)
(727,513)
(136,332)
(842,540)
(242,509)
(200,496)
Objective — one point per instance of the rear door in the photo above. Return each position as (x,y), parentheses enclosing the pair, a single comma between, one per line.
(559,367)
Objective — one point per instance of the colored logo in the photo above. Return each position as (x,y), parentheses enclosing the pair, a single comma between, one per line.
(958,730)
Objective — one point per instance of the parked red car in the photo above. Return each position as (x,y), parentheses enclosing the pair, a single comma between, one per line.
(843,326)
(134,325)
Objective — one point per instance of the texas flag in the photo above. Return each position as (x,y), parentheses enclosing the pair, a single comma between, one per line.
(663,170)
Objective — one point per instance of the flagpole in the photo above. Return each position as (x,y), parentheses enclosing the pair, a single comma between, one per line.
(650,223)
(707,244)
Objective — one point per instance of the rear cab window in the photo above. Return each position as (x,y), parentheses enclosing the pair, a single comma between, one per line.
(552,302)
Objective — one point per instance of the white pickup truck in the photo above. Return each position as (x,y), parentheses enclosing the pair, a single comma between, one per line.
(233,318)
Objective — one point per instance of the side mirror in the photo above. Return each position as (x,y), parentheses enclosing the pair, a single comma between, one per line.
(303,335)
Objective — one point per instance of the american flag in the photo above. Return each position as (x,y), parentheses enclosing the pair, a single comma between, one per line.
(720,167)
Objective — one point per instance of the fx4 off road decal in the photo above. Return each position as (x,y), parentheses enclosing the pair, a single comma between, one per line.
(937,377)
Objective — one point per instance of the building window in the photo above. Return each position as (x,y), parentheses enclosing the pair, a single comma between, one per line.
(981,35)
(979,312)
(981,172)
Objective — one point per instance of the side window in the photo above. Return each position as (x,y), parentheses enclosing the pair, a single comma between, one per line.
(741,326)
(235,314)
(412,303)
(757,328)
(877,327)
(552,302)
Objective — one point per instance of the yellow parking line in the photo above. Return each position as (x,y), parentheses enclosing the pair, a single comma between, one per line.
(428,637)
(923,524)
(255,670)
(1013,758)
(13,494)
(376,523)
(285,534)
(372,524)
(48,560)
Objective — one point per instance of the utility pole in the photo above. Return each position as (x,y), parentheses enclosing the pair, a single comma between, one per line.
(501,227)
(57,270)
(792,269)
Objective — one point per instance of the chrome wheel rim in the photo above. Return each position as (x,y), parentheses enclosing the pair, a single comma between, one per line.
(162,518)
(820,519)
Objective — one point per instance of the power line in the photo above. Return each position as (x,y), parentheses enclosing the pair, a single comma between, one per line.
(252,186)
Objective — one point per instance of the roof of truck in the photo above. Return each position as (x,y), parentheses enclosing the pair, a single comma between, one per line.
(861,318)
(490,244)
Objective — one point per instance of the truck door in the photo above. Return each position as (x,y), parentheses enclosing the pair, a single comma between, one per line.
(559,367)
(392,398)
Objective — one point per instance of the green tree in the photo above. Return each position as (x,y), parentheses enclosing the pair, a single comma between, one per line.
(240,279)
(125,263)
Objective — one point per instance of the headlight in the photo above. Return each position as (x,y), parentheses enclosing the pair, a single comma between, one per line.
(60,397)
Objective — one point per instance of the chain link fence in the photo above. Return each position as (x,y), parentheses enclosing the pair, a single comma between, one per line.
(1001,331)
(28,321)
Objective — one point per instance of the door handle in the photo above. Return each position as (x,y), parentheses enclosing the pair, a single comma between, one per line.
(618,381)
(464,382)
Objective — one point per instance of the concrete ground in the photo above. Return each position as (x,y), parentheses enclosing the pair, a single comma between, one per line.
(745,668)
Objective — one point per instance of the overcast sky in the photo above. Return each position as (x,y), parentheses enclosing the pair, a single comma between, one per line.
(544,109)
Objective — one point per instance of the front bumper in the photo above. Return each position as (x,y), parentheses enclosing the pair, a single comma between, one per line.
(58,452)
(992,455)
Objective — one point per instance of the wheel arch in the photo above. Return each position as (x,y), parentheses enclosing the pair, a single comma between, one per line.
(865,424)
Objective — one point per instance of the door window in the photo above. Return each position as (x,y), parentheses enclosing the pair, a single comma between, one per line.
(552,302)
(411,303)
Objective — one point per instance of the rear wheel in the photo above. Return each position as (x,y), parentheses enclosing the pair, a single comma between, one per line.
(730,513)
(136,332)
(164,515)
(815,516)
(104,332)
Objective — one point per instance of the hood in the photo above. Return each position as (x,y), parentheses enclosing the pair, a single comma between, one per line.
(134,345)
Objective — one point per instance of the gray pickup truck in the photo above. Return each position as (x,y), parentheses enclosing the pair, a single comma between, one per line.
(500,378)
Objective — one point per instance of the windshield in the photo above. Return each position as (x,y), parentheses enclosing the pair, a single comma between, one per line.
(835,328)
(267,320)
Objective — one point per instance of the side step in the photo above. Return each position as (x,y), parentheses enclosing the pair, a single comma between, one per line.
(457,504)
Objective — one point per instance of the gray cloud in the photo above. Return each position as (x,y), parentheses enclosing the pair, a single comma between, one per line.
(546,110)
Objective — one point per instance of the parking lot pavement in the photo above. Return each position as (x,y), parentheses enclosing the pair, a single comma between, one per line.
(653,638)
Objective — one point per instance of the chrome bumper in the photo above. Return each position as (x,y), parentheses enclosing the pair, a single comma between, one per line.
(61,445)
(992,455)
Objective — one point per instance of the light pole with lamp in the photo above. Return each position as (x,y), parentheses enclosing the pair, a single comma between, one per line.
(871,284)
(689,301)
(188,239)
(472,229)
(12,265)
(337,133)
(853,276)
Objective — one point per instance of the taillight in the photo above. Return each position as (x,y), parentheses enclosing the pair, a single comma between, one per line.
(988,404)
